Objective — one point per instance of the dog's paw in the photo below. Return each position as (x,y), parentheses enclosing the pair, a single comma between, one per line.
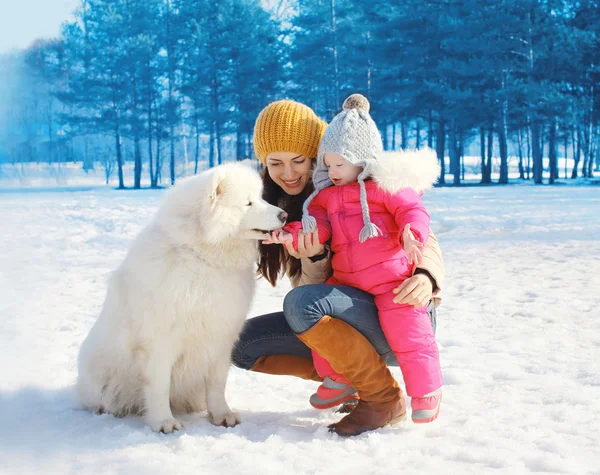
(167,426)
(229,419)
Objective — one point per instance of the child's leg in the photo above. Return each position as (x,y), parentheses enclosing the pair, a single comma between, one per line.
(323,367)
(334,390)
(410,335)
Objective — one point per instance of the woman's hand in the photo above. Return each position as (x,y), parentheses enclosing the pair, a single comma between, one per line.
(308,245)
(416,291)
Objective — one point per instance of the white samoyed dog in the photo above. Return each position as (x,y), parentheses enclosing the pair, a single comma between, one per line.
(176,305)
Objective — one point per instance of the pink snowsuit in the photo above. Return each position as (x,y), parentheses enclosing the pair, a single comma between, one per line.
(377,266)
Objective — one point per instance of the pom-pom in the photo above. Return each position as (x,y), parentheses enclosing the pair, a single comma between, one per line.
(357,101)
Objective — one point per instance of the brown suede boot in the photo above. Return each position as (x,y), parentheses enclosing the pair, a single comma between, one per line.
(289,365)
(347,407)
(365,417)
(350,353)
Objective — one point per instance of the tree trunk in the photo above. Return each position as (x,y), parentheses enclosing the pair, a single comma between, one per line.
(552,152)
(197,138)
(394,136)
(566,145)
(172,152)
(502,140)
(528,151)
(239,155)
(211,145)
(50,131)
(503,179)
(418,134)
(538,164)
(596,151)
(158,172)
(403,133)
(585,147)
(482,152)
(576,151)
(461,156)
(520,144)
(137,160)
(119,157)
(368,53)
(219,138)
(150,157)
(385,136)
(137,167)
(490,155)
(149,123)
(171,66)
(430,131)
(216,122)
(591,145)
(453,152)
(171,130)
(542,146)
(440,145)
(336,81)
(151,160)
(503,135)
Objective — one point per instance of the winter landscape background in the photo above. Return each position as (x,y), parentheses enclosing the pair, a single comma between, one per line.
(135,94)
(164,83)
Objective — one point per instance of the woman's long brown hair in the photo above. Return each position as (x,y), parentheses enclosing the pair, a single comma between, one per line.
(274,259)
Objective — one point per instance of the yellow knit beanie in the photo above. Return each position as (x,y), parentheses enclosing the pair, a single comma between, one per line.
(287,126)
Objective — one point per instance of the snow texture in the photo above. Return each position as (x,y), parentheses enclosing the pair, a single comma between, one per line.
(518,331)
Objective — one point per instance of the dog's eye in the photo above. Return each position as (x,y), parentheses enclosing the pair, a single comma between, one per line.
(249,203)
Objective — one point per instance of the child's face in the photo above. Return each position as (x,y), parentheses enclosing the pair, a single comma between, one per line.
(340,171)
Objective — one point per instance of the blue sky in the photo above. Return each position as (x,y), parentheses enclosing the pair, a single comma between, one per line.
(23,21)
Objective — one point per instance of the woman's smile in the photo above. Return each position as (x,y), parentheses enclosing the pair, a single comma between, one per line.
(292,183)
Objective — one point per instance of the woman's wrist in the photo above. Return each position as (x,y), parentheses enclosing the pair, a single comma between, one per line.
(320,257)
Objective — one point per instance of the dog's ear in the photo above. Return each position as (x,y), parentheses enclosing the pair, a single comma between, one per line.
(217,186)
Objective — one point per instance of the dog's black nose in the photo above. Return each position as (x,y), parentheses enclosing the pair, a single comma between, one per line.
(282,216)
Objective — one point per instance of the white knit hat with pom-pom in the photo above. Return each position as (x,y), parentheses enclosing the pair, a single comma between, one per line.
(353,135)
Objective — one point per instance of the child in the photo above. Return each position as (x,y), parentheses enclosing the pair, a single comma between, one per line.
(377,225)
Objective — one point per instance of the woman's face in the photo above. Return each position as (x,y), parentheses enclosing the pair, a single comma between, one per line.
(289,170)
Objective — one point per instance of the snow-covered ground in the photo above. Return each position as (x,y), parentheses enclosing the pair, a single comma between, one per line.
(519,333)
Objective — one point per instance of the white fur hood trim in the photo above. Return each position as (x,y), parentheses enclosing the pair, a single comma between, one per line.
(416,169)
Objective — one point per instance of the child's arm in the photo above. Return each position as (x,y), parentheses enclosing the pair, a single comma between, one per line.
(317,210)
(412,219)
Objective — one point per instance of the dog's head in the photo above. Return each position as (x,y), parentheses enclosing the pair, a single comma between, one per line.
(224,202)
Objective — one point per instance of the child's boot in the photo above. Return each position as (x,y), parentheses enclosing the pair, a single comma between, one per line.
(333,393)
(426,408)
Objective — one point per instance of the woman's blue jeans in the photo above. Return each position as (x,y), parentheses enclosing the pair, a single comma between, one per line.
(303,307)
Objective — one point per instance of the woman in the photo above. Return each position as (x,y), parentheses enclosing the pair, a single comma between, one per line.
(338,322)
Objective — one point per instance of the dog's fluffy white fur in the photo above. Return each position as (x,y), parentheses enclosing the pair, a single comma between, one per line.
(177,303)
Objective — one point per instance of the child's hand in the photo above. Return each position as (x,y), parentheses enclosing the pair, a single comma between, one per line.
(277,237)
(412,246)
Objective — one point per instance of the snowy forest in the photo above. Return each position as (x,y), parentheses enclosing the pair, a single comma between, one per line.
(166,84)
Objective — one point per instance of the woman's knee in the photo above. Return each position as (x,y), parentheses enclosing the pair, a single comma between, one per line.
(239,357)
(299,309)
(243,354)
